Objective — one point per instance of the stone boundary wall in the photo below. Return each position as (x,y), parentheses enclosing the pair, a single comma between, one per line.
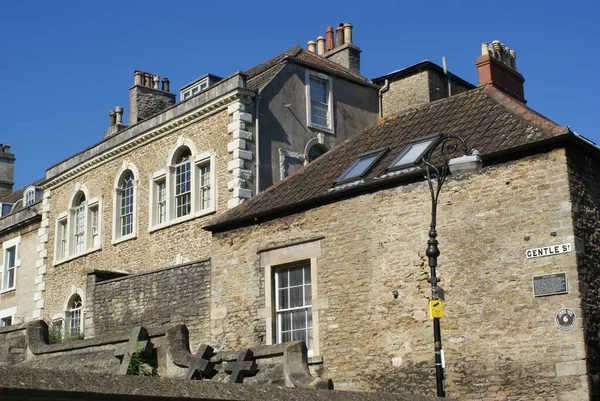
(157,299)
(13,344)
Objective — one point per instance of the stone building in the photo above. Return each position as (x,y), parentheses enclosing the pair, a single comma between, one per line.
(20,215)
(136,200)
(335,254)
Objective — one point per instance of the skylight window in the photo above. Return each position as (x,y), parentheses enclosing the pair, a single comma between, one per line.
(361,166)
(412,153)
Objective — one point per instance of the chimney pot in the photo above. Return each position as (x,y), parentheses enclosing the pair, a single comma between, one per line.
(165,85)
(485,49)
(119,115)
(329,35)
(339,35)
(320,45)
(111,118)
(137,78)
(147,80)
(347,33)
(155,81)
(312,46)
(513,59)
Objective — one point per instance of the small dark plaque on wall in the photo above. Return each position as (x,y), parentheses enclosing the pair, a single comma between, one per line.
(550,284)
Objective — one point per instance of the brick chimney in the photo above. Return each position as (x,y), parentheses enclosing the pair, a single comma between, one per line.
(340,48)
(145,97)
(497,65)
(7,170)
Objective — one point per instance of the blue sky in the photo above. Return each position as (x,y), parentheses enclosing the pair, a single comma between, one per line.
(64,64)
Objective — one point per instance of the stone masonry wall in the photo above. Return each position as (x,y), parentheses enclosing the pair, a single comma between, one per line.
(149,250)
(155,300)
(500,341)
(584,175)
(405,93)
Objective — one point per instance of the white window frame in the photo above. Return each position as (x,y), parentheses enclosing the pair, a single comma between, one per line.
(66,315)
(281,257)
(92,234)
(9,312)
(281,312)
(29,197)
(330,112)
(168,177)
(13,243)
(117,236)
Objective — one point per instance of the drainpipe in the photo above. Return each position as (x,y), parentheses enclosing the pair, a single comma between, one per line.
(256,128)
(384,88)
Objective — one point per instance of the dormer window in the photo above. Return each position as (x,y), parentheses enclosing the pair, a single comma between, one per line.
(361,166)
(29,197)
(6,208)
(198,86)
(412,153)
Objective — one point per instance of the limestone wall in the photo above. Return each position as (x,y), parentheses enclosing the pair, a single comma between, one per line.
(155,300)
(584,173)
(149,250)
(500,341)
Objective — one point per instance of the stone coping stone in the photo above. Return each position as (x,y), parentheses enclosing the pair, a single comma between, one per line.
(40,384)
(37,340)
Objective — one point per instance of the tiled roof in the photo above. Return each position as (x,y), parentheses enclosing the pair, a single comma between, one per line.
(259,76)
(489,120)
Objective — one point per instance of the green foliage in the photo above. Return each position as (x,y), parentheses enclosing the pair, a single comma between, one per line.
(137,366)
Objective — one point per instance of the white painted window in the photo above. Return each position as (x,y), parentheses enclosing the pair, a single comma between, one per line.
(78,231)
(183,184)
(61,238)
(29,197)
(124,207)
(293,304)
(8,316)
(205,186)
(74,316)
(319,101)
(162,201)
(185,189)
(79,224)
(9,271)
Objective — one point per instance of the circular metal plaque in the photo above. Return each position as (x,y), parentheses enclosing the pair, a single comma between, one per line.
(565,319)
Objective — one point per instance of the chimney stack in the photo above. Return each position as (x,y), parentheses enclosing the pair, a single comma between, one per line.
(145,97)
(340,49)
(7,170)
(115,122)
(497,65)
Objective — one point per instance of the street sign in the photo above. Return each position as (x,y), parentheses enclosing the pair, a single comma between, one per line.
(547,250)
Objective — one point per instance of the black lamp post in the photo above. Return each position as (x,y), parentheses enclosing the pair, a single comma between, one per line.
(436,176)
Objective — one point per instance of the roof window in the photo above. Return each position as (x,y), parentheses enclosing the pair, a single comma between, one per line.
(361,166)
(412,154)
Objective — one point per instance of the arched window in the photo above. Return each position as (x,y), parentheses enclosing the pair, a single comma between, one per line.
(127,204)
(79,223)
(29,197)
(74,316)
(78,229)
(316,151)
(183,183)
(185,189)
